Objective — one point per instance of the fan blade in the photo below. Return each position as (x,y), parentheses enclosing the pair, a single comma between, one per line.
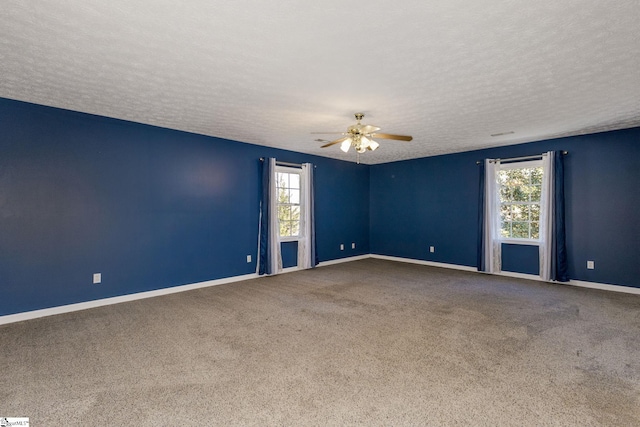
(337,141)
(390,136)
(369,129)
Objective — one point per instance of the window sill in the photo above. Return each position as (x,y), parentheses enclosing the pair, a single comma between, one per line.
(528,242)
(290,239)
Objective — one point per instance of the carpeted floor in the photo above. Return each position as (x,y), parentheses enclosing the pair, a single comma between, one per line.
(370,342)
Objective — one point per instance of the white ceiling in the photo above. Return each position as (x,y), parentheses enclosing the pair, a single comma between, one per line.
(449,72)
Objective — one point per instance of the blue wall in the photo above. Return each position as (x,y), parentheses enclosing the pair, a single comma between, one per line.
(434,202)
(147,207)
(151,208)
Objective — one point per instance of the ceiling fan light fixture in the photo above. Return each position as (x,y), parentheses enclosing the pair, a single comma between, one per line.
(360,136)
(346,144)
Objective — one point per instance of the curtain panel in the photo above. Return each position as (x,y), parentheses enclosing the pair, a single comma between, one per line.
(307,257)
(491,256)
(546,217)
(269,254)
(559,264)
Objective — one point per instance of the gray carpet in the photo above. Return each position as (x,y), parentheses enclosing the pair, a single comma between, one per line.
(370,342)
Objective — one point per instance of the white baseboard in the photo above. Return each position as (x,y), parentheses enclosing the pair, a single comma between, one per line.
(325,263)
(423,262)
(602,286)
(341,260)
(579,283)
(28,315)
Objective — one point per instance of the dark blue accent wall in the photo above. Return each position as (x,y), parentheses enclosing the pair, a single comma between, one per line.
(434,202)
(147,207)
(425,202)
(153,208)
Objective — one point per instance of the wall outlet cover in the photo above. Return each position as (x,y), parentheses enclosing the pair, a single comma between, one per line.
(97,278)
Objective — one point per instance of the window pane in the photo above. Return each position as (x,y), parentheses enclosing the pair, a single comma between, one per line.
(505,213)
(528,190)
(505,194)
(517,177)
(519,195)
(294,196)
(281,180)
(295,213)
(520,230)
(520,212)
(535,193)
(285,212)
(294,180)
(285,228)
(295,228)
(535,230)
(283,195)
(536,176)
(535,212)
(505,231)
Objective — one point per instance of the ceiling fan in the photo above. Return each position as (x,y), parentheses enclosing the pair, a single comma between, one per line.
(361,136)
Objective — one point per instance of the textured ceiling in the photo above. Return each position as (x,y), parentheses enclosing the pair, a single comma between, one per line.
(449,72)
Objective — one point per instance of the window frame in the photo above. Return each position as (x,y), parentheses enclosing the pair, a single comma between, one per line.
(528,164)
(297,171)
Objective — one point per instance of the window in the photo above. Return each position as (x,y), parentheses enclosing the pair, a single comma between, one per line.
(520,190)
(288,189)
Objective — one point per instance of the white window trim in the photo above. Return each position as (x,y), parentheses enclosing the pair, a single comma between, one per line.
(521,165)
(288,169)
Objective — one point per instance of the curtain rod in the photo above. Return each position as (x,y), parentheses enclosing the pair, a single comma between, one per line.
(293,165)
(278,162)
(515,159)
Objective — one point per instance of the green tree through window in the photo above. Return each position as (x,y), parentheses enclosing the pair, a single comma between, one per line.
(520,190)
(288,188)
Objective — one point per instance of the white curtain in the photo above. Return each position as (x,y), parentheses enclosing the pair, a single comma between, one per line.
(546,216)
(492,244)
(275,255)
(305,241)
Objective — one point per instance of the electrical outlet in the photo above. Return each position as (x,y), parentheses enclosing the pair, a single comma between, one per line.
(248,258)
(591,265)
(353,246)
(97,278)
(432,249)
(342,246)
